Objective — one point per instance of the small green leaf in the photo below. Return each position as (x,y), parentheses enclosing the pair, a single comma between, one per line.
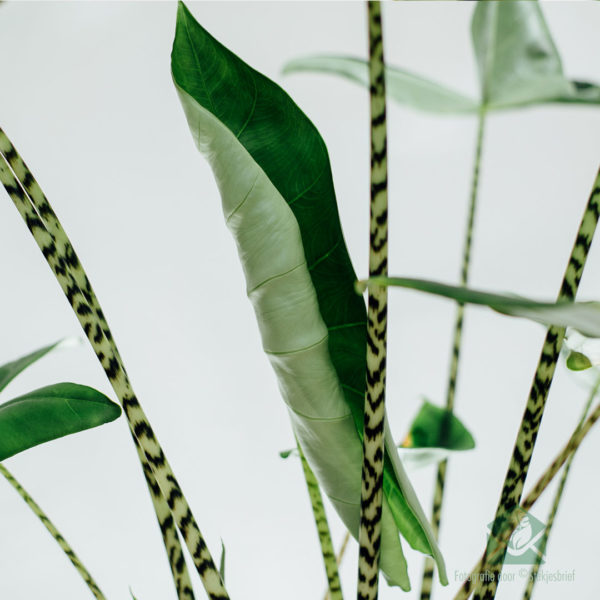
(10,370)
(582,316)
(436,427)
(50,413)
(402,86)
(576,361)
(287,453)
(132,595)
(517,60)
(222,562)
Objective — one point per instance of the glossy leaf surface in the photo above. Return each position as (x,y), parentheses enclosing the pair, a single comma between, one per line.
(49,413)
(273,172)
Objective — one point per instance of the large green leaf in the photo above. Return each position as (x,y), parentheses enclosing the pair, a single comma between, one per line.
(50,413)
(582,316)
(402,86)
(11,369)
(273,172)
(517,61)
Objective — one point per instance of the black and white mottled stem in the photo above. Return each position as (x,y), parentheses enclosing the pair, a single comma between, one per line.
(438,495)
(34,506)
(58,252)
(486,586)
(557,498)
(374,411)
(316,501)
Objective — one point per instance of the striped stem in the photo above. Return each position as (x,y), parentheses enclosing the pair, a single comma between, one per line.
(438,495)
(174,551)
(340,556)
(557,498)
(538,489)
(62,260)
(316,501)
(512,490)
(369,537)
(54,533)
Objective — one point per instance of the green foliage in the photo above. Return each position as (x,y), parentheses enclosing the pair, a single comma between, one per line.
(49,413)
(11,369)
(436,427)
(273,172)
(518,65)
(582,316)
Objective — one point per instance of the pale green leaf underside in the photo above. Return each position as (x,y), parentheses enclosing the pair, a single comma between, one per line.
(292,330)
(517,60)
(402,86)
(518,65)
(582,316)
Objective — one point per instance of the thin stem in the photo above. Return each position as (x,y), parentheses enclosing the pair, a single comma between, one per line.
(340,556)
(369,537)
(512,489)
(569,449)
(440,480)
(316,501)
(173,549)
(54,533)
(62,260)
(557,498)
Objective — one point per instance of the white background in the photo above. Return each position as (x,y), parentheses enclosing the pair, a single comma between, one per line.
(87,98)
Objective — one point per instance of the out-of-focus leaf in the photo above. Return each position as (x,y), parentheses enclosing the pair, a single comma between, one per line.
(584,351)
(517,60)
(10,370)
(50,413)
(222,562)
(287,453)
(402,86)
(582,316)
(576,361)
(436,427)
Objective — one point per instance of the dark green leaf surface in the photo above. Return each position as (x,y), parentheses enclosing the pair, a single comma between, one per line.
(10,370)
(402,86)
(219,91)
(436,427)
(582,316)
(50,413)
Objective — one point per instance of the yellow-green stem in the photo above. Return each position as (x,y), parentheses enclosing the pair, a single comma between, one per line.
(440,480)
(369,537)
(60,540)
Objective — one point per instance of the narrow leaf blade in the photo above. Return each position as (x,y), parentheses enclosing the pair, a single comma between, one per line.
(402,86)
(582,316)
(11,369)
(49,413)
